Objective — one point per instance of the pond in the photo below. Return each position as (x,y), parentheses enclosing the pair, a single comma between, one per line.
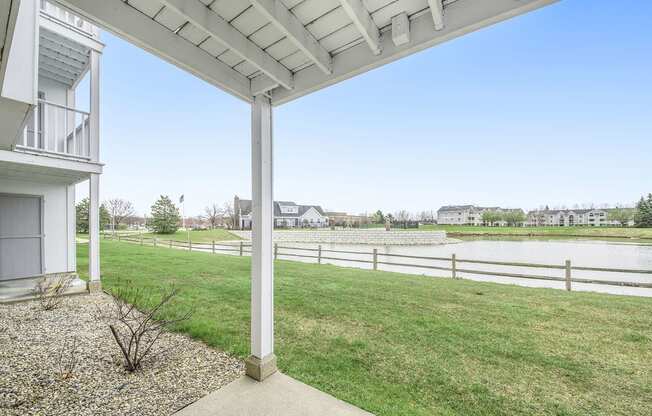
(620,254)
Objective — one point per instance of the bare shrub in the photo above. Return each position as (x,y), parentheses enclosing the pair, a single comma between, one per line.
(136,331)
(67,361)
(49,291)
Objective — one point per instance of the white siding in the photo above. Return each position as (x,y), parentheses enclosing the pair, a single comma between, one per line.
(58,221)
(20,76)
(55,92)
(313,217)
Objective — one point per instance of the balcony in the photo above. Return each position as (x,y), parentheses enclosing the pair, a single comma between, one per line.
(56,130)
(68,19)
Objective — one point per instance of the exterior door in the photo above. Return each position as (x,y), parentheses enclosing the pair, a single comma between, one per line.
(21,236)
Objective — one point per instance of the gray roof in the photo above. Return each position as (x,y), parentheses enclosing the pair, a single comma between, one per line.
(448,208)
(565,211)
(245,207)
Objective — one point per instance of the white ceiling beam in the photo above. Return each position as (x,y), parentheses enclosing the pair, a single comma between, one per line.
(53,75)
(284,20)
(139,29)
(45,43)
(363,22)
(462,17)
(400,29)
(262,84)
(53,66)
(210,22)
(56,56)
(437,11)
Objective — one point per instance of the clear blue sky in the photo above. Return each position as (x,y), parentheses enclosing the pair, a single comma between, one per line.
(554,107)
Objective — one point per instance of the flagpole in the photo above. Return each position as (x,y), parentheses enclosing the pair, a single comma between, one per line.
(182,201)
(184,217)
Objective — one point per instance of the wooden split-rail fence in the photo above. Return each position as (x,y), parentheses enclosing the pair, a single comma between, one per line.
(374,258)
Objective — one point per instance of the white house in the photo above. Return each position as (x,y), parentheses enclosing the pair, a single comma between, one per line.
(48,143)
(287,214)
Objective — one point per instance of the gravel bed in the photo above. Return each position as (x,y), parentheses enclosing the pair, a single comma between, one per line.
(32,342)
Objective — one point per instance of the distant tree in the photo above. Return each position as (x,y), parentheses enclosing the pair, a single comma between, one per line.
(120,211)
(427,216)
(491,217)
(402,216)
(643,216)
(229,215)
(514,218)
(165,217)
(82,209)
(378,217)
(621,215)
(212,214)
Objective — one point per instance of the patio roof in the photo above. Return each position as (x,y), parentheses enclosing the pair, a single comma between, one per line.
(290,48)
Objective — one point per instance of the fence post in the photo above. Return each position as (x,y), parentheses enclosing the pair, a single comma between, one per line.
(213,246)
(189,245)
(375,259)
(155,241)
(275,251)
(118,237)
(568,275)
(241,245)
(454,266)
(141,239)
(170,242)
(319,254)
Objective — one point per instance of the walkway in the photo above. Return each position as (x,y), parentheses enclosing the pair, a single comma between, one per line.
(278,395)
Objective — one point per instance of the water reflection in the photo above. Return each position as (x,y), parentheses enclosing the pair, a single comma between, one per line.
(622,254)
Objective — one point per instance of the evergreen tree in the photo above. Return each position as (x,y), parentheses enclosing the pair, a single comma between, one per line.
(643,217)
(165,216)
(82,216)
(378,217)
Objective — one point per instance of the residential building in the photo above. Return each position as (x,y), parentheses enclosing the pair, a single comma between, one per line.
(593,217)
(342,219)
(48,142)
(287,214)
(470,215)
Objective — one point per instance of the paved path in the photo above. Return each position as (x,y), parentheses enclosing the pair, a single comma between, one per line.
(279,395)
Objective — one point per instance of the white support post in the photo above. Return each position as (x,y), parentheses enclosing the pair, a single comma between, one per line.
(94,283)
(71,228)
(94,122)
(69,121)
(262,362)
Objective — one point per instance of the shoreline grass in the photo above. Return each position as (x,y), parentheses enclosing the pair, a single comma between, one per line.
(598,232)
(196,236)
(399,344)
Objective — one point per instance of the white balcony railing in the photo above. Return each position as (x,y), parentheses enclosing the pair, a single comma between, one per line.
(69,19)
(57,130)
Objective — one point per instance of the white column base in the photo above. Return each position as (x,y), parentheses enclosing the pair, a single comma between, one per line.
(259,369)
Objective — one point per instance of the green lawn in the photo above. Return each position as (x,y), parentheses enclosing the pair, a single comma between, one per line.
(202,236)
(410,345)
(544,231)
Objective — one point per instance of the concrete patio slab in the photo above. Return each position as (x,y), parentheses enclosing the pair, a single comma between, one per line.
(20,290)
(278,395)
